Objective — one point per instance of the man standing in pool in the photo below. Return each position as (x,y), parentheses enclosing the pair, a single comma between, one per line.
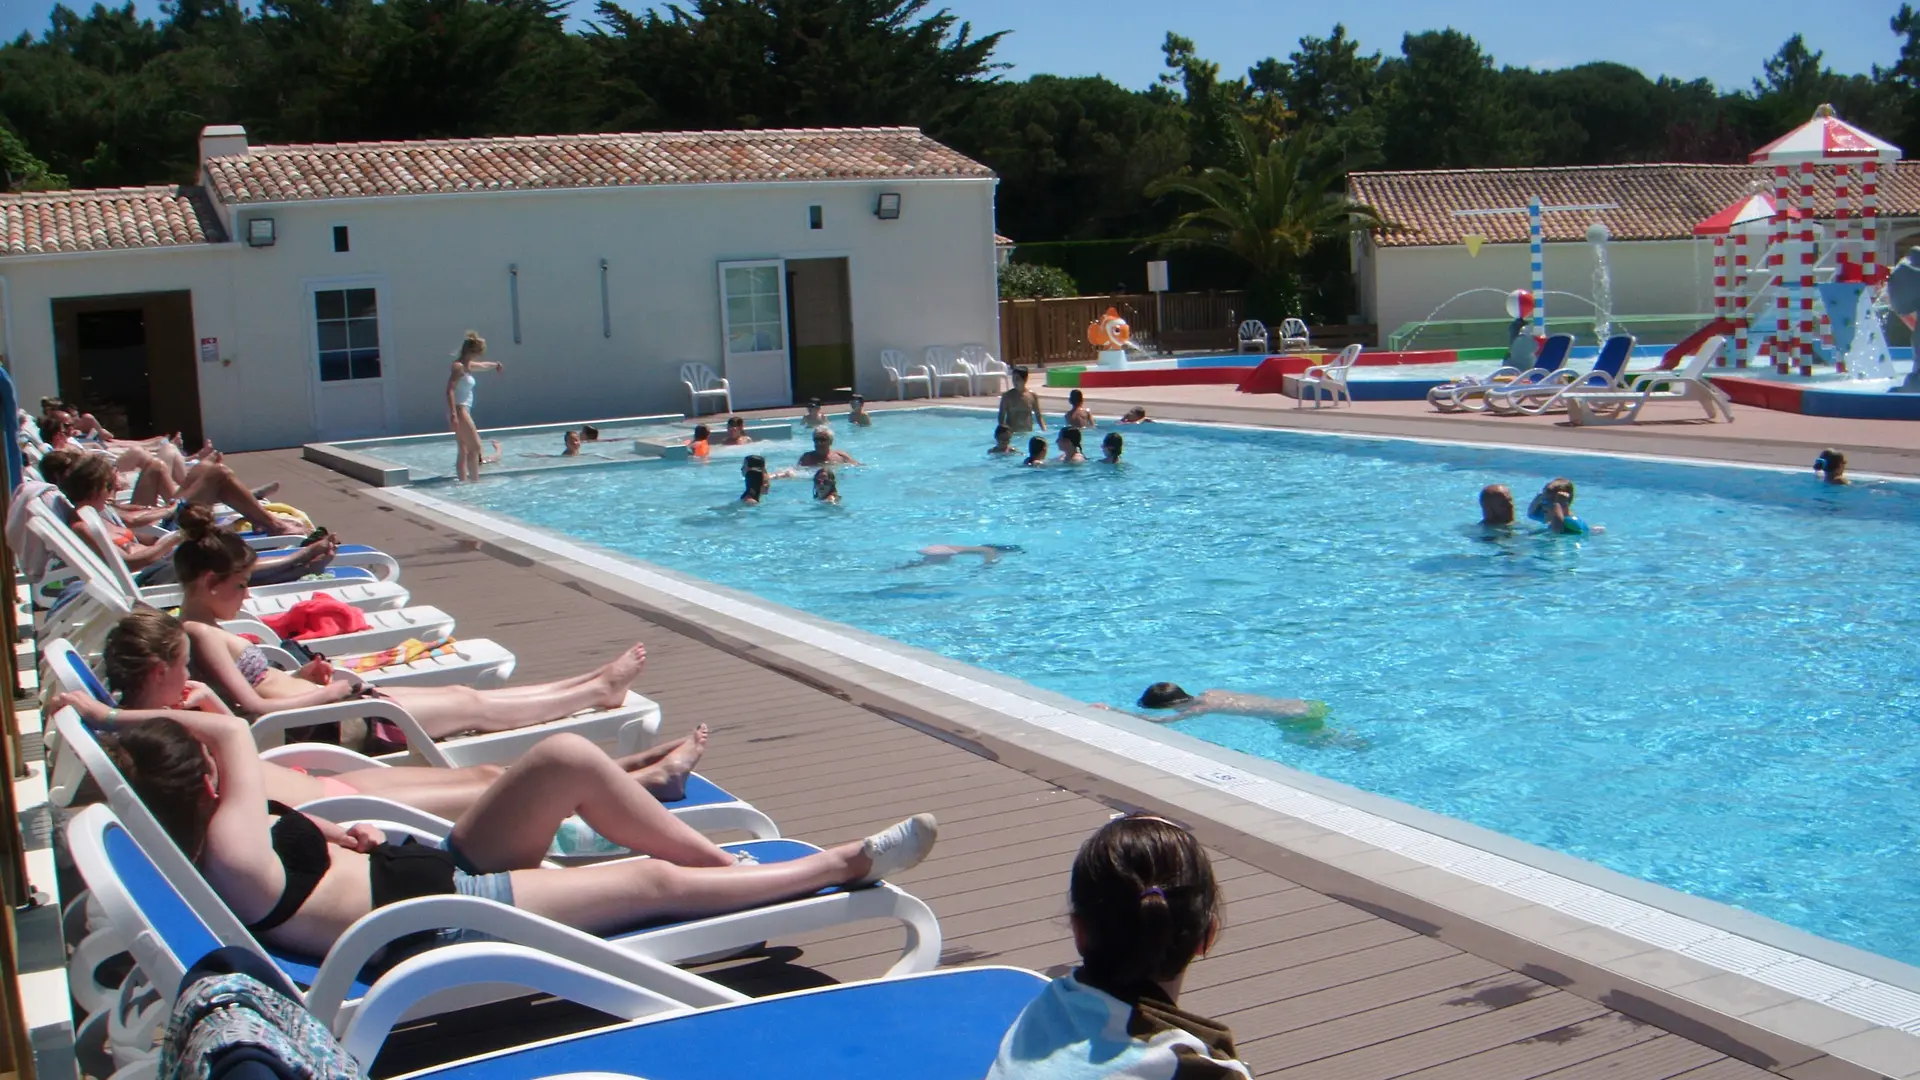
(823,452)
(1496,505)
(1185,706)
(1019,406)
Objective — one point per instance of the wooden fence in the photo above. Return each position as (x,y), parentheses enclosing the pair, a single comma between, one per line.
(1055,331)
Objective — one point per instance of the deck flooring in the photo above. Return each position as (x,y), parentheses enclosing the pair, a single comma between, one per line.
(1314,988)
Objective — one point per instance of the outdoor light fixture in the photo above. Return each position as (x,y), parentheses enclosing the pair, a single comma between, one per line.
(260,232)
(888,208)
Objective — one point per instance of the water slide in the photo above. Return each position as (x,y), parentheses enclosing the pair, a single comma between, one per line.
(1692,342)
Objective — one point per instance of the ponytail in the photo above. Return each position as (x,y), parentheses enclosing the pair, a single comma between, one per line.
(1145,900)
(209,548)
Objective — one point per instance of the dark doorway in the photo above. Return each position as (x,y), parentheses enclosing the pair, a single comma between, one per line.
(129,360)
(820,316)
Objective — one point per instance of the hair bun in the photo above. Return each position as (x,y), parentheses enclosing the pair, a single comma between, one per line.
(196,522)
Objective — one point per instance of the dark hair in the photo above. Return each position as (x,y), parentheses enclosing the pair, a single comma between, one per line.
(813,403)
(1020,373)
(208,548)
(1113,443)
(1828,463)
(589,432)
(756,484)
(1145,901)
(753,461)
(49,427)
(1075,397)
(142,638)
(1496,504)
(1138,412)
(1560,485)
(1036,449)
(702,431)
(824,478)
(1164,695)
(732,420)
(55,464)
(89,478)
(168,770)
(1002,431)
(856,400)
(1071,435)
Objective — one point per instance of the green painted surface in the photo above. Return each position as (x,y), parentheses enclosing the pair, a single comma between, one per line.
(1492,333)
(818,370)
(1068,377)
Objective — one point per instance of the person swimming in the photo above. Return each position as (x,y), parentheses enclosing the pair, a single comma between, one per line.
(1496,505)
(589,433)
(1002,440)
(858,416)
(1135,415)
(1111,447)
(1070,450)
(1078,415)
(1185,706)
(1553,507)
(736,432)
(826,488)
(1036,452)
(756,476)
(939,554)
(1832,467)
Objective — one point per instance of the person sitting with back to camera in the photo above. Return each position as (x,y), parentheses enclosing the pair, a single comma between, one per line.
(1036,452)
(736,432)
(1070,451)
(1078,415)
(1832,467)
(701,445)
(858,415)
(1496,506)
(1111,448)
(1185,706)
(1144,904)
(1002,440)
(1553,507)
(823,452)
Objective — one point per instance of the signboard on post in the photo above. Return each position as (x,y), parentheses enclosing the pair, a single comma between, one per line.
(1157,276)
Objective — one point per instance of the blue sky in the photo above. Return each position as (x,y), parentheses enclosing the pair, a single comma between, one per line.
(1723,40)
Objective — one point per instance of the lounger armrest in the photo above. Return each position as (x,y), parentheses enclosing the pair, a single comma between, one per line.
(279,657)
(320,758)
(346,809)
(252,628)
(270,730)
(379,928)
(430,973)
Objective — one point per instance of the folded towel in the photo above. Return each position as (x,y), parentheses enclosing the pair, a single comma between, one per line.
(406,652)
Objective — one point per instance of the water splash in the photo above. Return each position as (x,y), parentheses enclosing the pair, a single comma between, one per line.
(1602,283)
(1424,323)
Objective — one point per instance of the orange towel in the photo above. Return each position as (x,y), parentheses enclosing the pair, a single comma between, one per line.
(404,653)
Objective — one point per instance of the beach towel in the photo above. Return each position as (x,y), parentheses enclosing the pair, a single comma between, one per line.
(406,652)
(318,617)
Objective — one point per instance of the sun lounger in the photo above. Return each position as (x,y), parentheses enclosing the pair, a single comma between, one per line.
(1607,374)
(1469,394)
(1689,382)
(85,617)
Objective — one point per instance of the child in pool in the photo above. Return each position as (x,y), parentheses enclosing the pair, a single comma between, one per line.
(701,444)
(1554,508)
(814,418)
(1036,452)
(1078,415)
(1832,467)
(1002,440)
(756,485)
(1070,450)
(1135,415)
(859,416)
(1111,447)
(1144,904)
(826,489)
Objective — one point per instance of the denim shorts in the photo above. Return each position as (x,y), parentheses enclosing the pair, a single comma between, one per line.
(497,887)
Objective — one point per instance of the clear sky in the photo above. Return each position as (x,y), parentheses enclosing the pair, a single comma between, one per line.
(1722,40)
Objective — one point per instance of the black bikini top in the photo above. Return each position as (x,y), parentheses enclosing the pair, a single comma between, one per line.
(302,850)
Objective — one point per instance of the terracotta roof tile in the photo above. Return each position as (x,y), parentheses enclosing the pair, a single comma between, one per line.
(1655,202)
(106,219)
(358,170)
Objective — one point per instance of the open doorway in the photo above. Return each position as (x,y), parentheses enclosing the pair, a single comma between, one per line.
(129,360)
(820,312)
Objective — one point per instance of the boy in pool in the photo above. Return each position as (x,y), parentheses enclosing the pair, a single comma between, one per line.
(1036,452)
(1554,507)
(1078,415)
(1135,415)
(1832,467)
(1185,706)
(570,443)
(858,416)
(736,432)
(1002,440)
(814,418)
(1496,505)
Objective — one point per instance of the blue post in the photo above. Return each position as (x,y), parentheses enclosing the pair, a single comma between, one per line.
(1536,242)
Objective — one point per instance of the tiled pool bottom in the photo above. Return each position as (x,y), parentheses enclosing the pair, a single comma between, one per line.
(1860,990)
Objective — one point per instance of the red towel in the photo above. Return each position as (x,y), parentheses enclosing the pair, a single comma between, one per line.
(319,617)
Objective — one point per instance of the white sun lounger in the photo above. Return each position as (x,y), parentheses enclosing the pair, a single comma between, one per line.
(1469,394)
(85,618)
(1607,373)
(1688,382)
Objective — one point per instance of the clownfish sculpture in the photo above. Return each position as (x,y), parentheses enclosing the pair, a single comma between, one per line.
(1109,331)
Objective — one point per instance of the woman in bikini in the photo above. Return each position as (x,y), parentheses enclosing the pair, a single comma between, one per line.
(214,563)
(460,404)
(299,882)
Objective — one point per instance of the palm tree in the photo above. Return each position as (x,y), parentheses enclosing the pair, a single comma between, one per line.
(1270,209)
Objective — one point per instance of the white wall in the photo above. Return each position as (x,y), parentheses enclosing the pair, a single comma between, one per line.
(441,266)
(1404,284)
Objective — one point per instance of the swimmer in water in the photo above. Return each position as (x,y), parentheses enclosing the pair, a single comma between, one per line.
(570,444)
(756,485)
(938,554)
(1019,406)
(1496,505)
(1002,440)
(1554,507)
(1036,452)
(589,433)
(1111,447)
(858,416)
(814,418)
(823,452)
(1832,467)
(1070,451)
(1185,706)
(736,432)
(1135,415)
(1078,415)
(701,445)
(826,489)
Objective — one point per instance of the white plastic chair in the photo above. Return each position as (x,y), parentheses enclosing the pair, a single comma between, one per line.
(990,374)
(1293,335)
(944,366)
(895,361)
(702,383)
(1329,378)
(1688,382)
(1253,332)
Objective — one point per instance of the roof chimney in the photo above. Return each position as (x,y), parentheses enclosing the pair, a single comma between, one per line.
(222,140)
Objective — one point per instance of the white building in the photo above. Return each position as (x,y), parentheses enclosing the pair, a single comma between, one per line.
(308,292)
(1657,266)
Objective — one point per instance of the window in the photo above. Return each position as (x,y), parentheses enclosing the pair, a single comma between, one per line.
(813,217)
(340,242)
(348,324)
(753,309)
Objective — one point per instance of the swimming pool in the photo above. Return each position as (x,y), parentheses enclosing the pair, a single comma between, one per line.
(1715,695)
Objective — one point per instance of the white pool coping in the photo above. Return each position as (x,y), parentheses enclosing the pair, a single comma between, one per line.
(1878,995)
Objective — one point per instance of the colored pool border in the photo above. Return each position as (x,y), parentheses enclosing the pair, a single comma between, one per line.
(1813,401)
(1759,974)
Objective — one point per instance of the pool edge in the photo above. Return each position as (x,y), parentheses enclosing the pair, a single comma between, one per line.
(1761,1020)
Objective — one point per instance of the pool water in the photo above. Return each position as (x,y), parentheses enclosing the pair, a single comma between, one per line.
(520,450)
(1716,694)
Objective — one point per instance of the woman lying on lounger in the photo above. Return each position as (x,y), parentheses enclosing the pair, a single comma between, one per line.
(299,882)
(213,565)
(146,665)
(90,482)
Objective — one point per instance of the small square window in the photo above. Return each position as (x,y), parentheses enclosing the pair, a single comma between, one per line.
(340,241)
(815,219)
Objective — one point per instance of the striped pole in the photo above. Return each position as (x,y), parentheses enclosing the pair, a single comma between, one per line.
(1870,219)
(1808,331)
(1720,297)
(1780,346)
(1843,252)
(1742,348)
(1536,247)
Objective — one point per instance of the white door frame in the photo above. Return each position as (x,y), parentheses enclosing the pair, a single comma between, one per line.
(779,265)
(378,283)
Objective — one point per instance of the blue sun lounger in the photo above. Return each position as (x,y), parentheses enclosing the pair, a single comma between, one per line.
(1469,394)
(1546,396)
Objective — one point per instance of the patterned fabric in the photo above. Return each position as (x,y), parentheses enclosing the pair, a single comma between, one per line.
(1074,1031)
(227,1013)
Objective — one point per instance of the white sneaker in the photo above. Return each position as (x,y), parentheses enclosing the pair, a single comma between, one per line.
(900,847)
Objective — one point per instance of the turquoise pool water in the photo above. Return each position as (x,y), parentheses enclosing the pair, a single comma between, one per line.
(1717,694)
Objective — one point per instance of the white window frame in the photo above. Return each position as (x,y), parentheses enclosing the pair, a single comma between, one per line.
(311,328)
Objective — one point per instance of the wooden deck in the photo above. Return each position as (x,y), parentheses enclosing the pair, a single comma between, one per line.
(1313,987)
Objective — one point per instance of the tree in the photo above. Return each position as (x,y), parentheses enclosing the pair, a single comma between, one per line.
(1031,281)
(20,170)
(1270,210)
(1329,88)
(1212,107)
(1442,107)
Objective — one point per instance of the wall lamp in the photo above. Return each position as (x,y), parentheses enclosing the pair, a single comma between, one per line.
(260,232)
(888,208)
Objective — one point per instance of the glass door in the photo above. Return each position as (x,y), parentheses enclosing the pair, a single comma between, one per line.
(348,369)
(753,329)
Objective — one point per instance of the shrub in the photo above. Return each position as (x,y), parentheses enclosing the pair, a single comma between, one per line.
(1027,281)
